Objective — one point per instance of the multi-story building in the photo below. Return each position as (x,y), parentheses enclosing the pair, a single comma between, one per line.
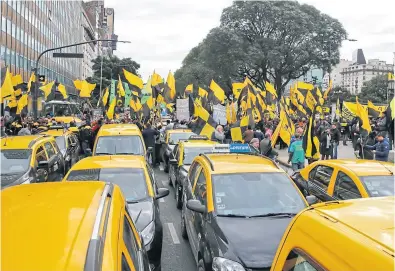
(90,50)
(357,74)
(335,75)
(30,27)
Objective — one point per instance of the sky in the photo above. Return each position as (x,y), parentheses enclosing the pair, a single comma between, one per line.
(163,32)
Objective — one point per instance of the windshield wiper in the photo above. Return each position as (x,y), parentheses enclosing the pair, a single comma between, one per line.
(104,153)
(132,201)
(127,153)
(275,214)
(233,215)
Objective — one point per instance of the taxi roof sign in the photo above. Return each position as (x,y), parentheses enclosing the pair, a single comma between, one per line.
(198,137)
(232,148)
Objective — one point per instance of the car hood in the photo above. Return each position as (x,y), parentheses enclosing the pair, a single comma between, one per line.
(67,119)
(251,241)
(146,216)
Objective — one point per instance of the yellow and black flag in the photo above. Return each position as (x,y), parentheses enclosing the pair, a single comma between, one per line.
(188,90)
(238,128)
(205,124)
(362,114)
(373,110)
(326,93)
(157,85)
(135,82)
(237,88)
(216,94)
(7,89)
(390,112)
(169,92)
(311,143)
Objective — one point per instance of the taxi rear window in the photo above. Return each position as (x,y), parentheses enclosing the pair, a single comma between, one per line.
(131,180)
(174,138)
(191,153)
(379,186)
(128,145)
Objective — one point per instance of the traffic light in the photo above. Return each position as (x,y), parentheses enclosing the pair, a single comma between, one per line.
(114,43)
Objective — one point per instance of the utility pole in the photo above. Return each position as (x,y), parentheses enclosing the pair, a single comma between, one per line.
(35,70)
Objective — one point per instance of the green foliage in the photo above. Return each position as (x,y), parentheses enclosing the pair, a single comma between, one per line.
(343,93)
(376,90)
(111,68)
(274,41)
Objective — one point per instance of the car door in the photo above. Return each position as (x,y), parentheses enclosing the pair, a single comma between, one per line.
(41,173)
(319,180)
(200,193)
(190,215)
(345,188)
(54,163)
(173,169)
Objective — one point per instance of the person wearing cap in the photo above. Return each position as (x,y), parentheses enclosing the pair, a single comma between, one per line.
(382,148)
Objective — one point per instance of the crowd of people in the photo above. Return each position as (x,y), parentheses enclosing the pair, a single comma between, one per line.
(330,134)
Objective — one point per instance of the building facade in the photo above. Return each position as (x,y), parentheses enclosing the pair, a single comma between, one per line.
(30,27)
(335,75)
(357,74)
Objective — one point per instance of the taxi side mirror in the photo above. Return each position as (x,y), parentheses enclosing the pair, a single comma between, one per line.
(88,152)
(196,206)
(173,161)
(162,192)
(43,164)
(311,199)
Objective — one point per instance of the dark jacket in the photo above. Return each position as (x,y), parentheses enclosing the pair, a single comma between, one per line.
(382,150)
(149,137)
(335,134)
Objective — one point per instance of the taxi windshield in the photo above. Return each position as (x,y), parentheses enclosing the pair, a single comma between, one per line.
(61,141)
(14,161)
(174,138)
(131,180)
(255,194)
(128,145)
(379,186)
(191,152)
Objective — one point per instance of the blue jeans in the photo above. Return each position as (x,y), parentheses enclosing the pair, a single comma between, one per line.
(334,150)
(298,165)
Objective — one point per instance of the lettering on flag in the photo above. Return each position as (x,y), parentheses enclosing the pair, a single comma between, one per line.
(182,109)
(219,114)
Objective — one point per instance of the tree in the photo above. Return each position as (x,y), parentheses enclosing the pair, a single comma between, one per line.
(376,90)
(342,93)
(110,69)
(274,41)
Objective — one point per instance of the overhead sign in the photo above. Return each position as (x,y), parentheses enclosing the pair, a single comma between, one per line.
(219,114)
(182,109)
(68,55)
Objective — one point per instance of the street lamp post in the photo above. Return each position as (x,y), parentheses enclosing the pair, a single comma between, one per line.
(35,70)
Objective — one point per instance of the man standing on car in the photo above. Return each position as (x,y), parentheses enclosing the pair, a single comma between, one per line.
(149,135)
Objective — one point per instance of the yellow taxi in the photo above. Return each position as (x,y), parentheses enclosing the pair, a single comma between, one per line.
(69,226)
(347,179)
(67,142)
(348,235)
(172,137)
(119,139)
(30,159)
(184,153)
(237,206)
(137,181)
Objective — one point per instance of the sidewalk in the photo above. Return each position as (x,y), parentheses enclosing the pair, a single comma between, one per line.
(344,152)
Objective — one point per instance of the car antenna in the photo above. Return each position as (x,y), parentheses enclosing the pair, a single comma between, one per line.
(392,173)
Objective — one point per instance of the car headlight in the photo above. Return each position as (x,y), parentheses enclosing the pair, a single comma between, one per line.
(148,233)
(222,264)
(25,179)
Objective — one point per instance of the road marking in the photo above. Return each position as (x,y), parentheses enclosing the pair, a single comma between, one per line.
(161,168)
(164,183)
(162,200)
(173,233)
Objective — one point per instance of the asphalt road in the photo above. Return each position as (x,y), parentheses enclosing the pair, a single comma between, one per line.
(176,252)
